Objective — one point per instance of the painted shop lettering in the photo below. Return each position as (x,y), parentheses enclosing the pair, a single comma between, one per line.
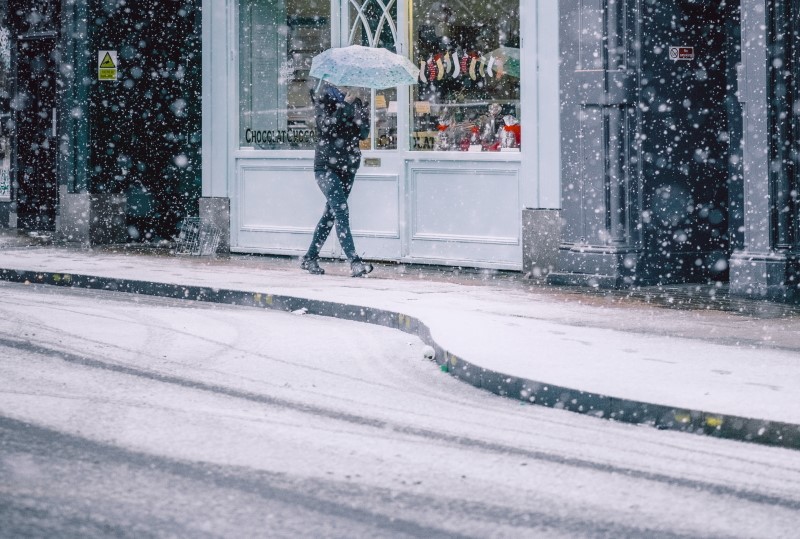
(280,136)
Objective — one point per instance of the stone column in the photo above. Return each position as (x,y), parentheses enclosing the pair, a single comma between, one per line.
(760,268)
(541,230)
(89,219)
(83,217)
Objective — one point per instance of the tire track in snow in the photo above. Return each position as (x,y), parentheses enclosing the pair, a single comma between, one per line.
(428,434)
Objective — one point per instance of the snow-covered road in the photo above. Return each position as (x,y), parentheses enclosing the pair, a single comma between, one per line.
(161,417)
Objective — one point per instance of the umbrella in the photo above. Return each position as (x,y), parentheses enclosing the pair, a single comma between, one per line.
(510,57)
(367,67)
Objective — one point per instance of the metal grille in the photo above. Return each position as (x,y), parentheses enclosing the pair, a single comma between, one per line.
(197,238)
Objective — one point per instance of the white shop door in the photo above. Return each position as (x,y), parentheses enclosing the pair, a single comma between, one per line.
(375,203)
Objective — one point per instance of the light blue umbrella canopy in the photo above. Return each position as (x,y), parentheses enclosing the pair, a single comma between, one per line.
(366,67)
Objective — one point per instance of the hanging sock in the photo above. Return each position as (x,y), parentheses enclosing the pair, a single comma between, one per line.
(431,70)
(473,63)
(447,64)
(456,65)
(422,71)
(489,65)
(482,69)
(439,67)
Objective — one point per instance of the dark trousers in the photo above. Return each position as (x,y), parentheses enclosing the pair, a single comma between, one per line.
(336,186)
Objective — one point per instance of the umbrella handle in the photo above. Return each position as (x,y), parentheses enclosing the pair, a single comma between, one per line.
(319,83)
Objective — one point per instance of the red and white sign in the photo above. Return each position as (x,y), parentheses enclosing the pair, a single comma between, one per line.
(681,53)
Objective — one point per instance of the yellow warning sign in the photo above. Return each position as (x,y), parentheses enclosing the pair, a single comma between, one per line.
(107,61)
(107,65)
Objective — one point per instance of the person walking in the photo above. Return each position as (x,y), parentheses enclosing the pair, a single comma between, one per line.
(342,122)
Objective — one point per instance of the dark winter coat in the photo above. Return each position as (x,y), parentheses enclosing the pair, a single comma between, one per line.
(340,127)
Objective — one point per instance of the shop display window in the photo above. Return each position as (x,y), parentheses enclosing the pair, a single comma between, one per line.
(468,94)
(467,97)
(277,40)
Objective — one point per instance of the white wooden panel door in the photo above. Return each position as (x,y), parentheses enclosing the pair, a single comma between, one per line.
(375,203)
(465,213)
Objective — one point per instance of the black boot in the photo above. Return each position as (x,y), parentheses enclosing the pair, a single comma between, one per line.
(311,265)
(359,269)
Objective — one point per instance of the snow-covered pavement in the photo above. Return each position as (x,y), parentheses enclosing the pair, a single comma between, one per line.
(712,361)
(155,417)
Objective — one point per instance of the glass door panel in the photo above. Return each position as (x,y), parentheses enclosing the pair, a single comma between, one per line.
(373,23)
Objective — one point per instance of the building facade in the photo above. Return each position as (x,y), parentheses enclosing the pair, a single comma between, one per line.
(101,118)
(651,129)
(680,143)
(610,143)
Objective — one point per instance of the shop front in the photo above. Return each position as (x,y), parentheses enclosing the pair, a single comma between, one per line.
(453,163)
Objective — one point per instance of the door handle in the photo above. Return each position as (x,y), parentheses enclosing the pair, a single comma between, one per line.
(55,123)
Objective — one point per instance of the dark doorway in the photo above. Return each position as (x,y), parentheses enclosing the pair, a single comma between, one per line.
(688,136)
(36,144)
(651,141)
(146,126)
